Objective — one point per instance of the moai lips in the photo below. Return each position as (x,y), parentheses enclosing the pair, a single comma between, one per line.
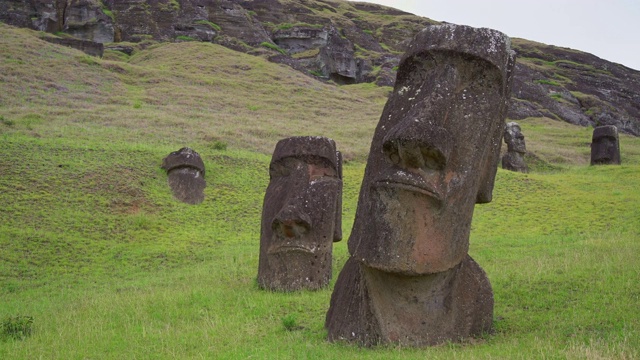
(301,215)
(434,155)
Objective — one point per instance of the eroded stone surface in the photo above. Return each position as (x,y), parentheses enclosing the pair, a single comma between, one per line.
(516,149)
(605,146)
(433,156)
(186,175)
(301,215)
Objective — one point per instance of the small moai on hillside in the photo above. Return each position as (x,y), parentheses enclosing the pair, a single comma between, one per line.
(301,214)
(185,170)
(513,159)
(434,155)
(605,146)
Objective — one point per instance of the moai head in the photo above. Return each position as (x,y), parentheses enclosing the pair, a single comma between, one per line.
(435,151)
(186,175)
(301,214)
(605,147)
(514,138)
(513,159)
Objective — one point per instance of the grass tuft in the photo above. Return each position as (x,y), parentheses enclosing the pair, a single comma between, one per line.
(16,327)
(289,322)
(212,25)
(273,47)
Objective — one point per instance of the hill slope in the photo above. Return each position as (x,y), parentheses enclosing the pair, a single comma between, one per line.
(346,42)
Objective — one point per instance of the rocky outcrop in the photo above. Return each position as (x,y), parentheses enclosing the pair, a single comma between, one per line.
(347,42)
(575,87)
(83,19)
(89,47)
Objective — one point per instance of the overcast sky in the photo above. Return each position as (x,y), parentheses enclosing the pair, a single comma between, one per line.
(609,29)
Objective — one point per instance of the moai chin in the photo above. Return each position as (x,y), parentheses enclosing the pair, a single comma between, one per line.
(185,169)
(301,214)
(513,159)
(605,146)
(433,156)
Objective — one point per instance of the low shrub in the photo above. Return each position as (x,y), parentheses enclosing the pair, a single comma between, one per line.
(16,327)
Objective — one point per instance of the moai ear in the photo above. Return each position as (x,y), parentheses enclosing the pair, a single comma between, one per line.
(490,167)
(337,230)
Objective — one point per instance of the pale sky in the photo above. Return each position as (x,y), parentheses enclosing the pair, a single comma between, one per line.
(609,29)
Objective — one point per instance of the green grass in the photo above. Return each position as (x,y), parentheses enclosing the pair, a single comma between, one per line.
(275,47)
(212,25)
(95,250)
(547,82)
(185,38)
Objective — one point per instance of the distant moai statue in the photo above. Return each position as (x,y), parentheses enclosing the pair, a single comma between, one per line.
(513,159)
(605,146)
(185,169)
(434,155)
(301,214)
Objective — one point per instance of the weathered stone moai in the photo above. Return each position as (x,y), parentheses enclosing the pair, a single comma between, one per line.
(513,159)
(434,155)
(605,146)
(301,214)
(185,169)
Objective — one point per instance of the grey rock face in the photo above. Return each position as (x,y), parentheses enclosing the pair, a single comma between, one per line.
(575,87)
(89,47)
(298,39)
(516,149)
(301,215)
(434,155)
(605,146)
(186,175)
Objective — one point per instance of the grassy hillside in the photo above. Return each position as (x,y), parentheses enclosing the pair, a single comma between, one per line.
(108,265)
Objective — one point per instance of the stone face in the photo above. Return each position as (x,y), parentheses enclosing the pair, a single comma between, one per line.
(186,175)
(301,215)
(516,149)
(605,146)
(434,155)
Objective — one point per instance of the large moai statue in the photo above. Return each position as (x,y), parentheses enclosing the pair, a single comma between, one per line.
(605,146)
(185,169)
(301,214)
(434,155)
(513,159)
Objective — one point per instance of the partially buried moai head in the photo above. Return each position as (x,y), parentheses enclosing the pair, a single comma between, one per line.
(185,169)
(435,151)
(605,146)
(513,138)
(301,215)
(513,159)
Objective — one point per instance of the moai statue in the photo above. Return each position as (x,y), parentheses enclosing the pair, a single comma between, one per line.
(514,158)
(434,155)
(186,175)
(301,214)
(605,146)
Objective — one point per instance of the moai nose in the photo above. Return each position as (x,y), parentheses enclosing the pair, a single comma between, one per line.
(415,144)
(291,222)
